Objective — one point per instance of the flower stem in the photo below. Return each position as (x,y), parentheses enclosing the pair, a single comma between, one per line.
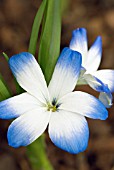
(37,155)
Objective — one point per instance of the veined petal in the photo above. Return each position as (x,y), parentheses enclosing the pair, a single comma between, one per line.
(18,105)
(28,127)
(107,77)
(69,131)
(84,104)
(98,85)
(65,74)
(29,75)
(94,55)
(79,43)
(106,99)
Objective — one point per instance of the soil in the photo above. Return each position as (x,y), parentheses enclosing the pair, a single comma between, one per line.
(16,18)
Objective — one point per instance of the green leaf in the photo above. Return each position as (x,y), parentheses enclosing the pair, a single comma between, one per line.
(5,56)
(50,40)
(4,91)
(35,28)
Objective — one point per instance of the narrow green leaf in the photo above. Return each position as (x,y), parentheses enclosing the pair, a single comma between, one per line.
(4,91)
(50,40)
(5,56)
(35,28)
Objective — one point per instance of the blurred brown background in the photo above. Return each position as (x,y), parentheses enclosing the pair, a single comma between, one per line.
(16,18)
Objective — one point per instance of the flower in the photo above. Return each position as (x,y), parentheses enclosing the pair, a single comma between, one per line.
(101,80)
(56,105)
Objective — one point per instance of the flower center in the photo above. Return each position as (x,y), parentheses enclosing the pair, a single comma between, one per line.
(53,106)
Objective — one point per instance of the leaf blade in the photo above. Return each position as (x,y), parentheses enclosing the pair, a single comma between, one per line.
(35,28)
(4,91)
(50,41)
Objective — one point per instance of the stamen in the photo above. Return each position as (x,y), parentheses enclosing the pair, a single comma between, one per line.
(54,102)
(54,106)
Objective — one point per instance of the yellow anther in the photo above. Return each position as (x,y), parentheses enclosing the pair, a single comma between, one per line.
(51,108)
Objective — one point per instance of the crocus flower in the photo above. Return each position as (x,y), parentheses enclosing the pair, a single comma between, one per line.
(55,106)
(100,80)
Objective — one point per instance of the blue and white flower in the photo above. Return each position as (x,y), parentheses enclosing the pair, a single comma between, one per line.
(101,80)
(55,106)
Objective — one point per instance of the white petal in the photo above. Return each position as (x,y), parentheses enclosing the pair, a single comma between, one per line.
(29,75)
(65,74)
(107,77)
(106,99)
(79,43)
(94,56)
(69,131)
(98,85)
(84,104)
(18,105)
(28,127)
